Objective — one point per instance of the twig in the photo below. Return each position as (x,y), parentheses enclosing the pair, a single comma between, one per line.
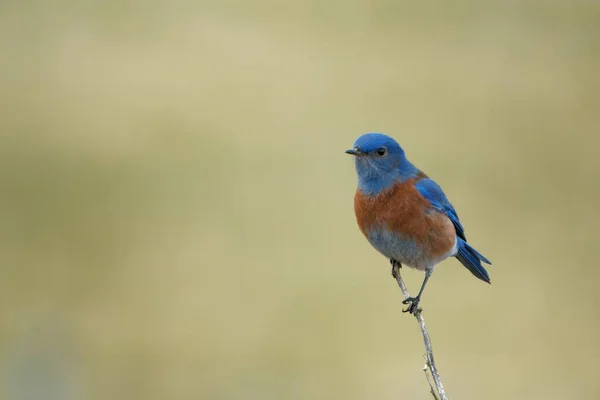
(426,369)
(430,362)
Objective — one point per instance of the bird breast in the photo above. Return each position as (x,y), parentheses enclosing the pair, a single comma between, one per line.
(401,224)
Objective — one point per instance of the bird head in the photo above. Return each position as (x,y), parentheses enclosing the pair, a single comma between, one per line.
(379,161)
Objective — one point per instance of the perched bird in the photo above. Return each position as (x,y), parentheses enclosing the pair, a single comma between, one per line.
(405,215)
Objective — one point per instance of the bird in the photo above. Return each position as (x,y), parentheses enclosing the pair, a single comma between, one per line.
(405,215)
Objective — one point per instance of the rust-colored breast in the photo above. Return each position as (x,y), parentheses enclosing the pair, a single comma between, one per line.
(401,209)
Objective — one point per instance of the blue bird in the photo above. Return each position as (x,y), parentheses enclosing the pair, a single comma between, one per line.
(405,215)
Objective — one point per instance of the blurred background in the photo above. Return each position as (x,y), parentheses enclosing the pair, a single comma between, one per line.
(176,205)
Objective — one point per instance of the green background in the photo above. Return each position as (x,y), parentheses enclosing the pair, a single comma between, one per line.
(176,215)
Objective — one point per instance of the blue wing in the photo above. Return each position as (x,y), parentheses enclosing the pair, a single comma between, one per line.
(434,193)
(466,254)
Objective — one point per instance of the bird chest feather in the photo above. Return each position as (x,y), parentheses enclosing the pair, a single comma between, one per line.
(401,224)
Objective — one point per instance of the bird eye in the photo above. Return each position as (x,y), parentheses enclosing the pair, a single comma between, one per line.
(382,151)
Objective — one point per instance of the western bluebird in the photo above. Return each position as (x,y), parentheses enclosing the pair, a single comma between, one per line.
(405,215)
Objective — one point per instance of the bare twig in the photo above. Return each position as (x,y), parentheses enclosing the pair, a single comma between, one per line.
(426,369)
(430,362)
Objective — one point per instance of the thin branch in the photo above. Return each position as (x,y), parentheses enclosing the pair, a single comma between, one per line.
(426,369)
(430,362)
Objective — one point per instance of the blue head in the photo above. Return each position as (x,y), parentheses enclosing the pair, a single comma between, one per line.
(380,161)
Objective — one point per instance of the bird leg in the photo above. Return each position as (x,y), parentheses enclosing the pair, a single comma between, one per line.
(413,302)
(395,267)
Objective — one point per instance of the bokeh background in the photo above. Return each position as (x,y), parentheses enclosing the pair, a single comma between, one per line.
(176,205)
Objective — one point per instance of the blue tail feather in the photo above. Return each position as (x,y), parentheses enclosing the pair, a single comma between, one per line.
(471,259)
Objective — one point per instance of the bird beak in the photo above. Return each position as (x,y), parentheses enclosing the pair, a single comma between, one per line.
(355,152)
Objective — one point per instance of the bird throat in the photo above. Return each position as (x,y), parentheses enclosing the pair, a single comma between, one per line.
(372,180)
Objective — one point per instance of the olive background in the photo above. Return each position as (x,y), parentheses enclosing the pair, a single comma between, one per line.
(176,205)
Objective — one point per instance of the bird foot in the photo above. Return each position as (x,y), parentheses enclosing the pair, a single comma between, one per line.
(396,265)
(413,305)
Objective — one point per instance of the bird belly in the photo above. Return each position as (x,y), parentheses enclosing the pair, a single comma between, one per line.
(406,250)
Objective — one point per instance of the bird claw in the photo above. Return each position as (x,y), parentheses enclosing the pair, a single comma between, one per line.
(396,265)
(413,305)
(412,302)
